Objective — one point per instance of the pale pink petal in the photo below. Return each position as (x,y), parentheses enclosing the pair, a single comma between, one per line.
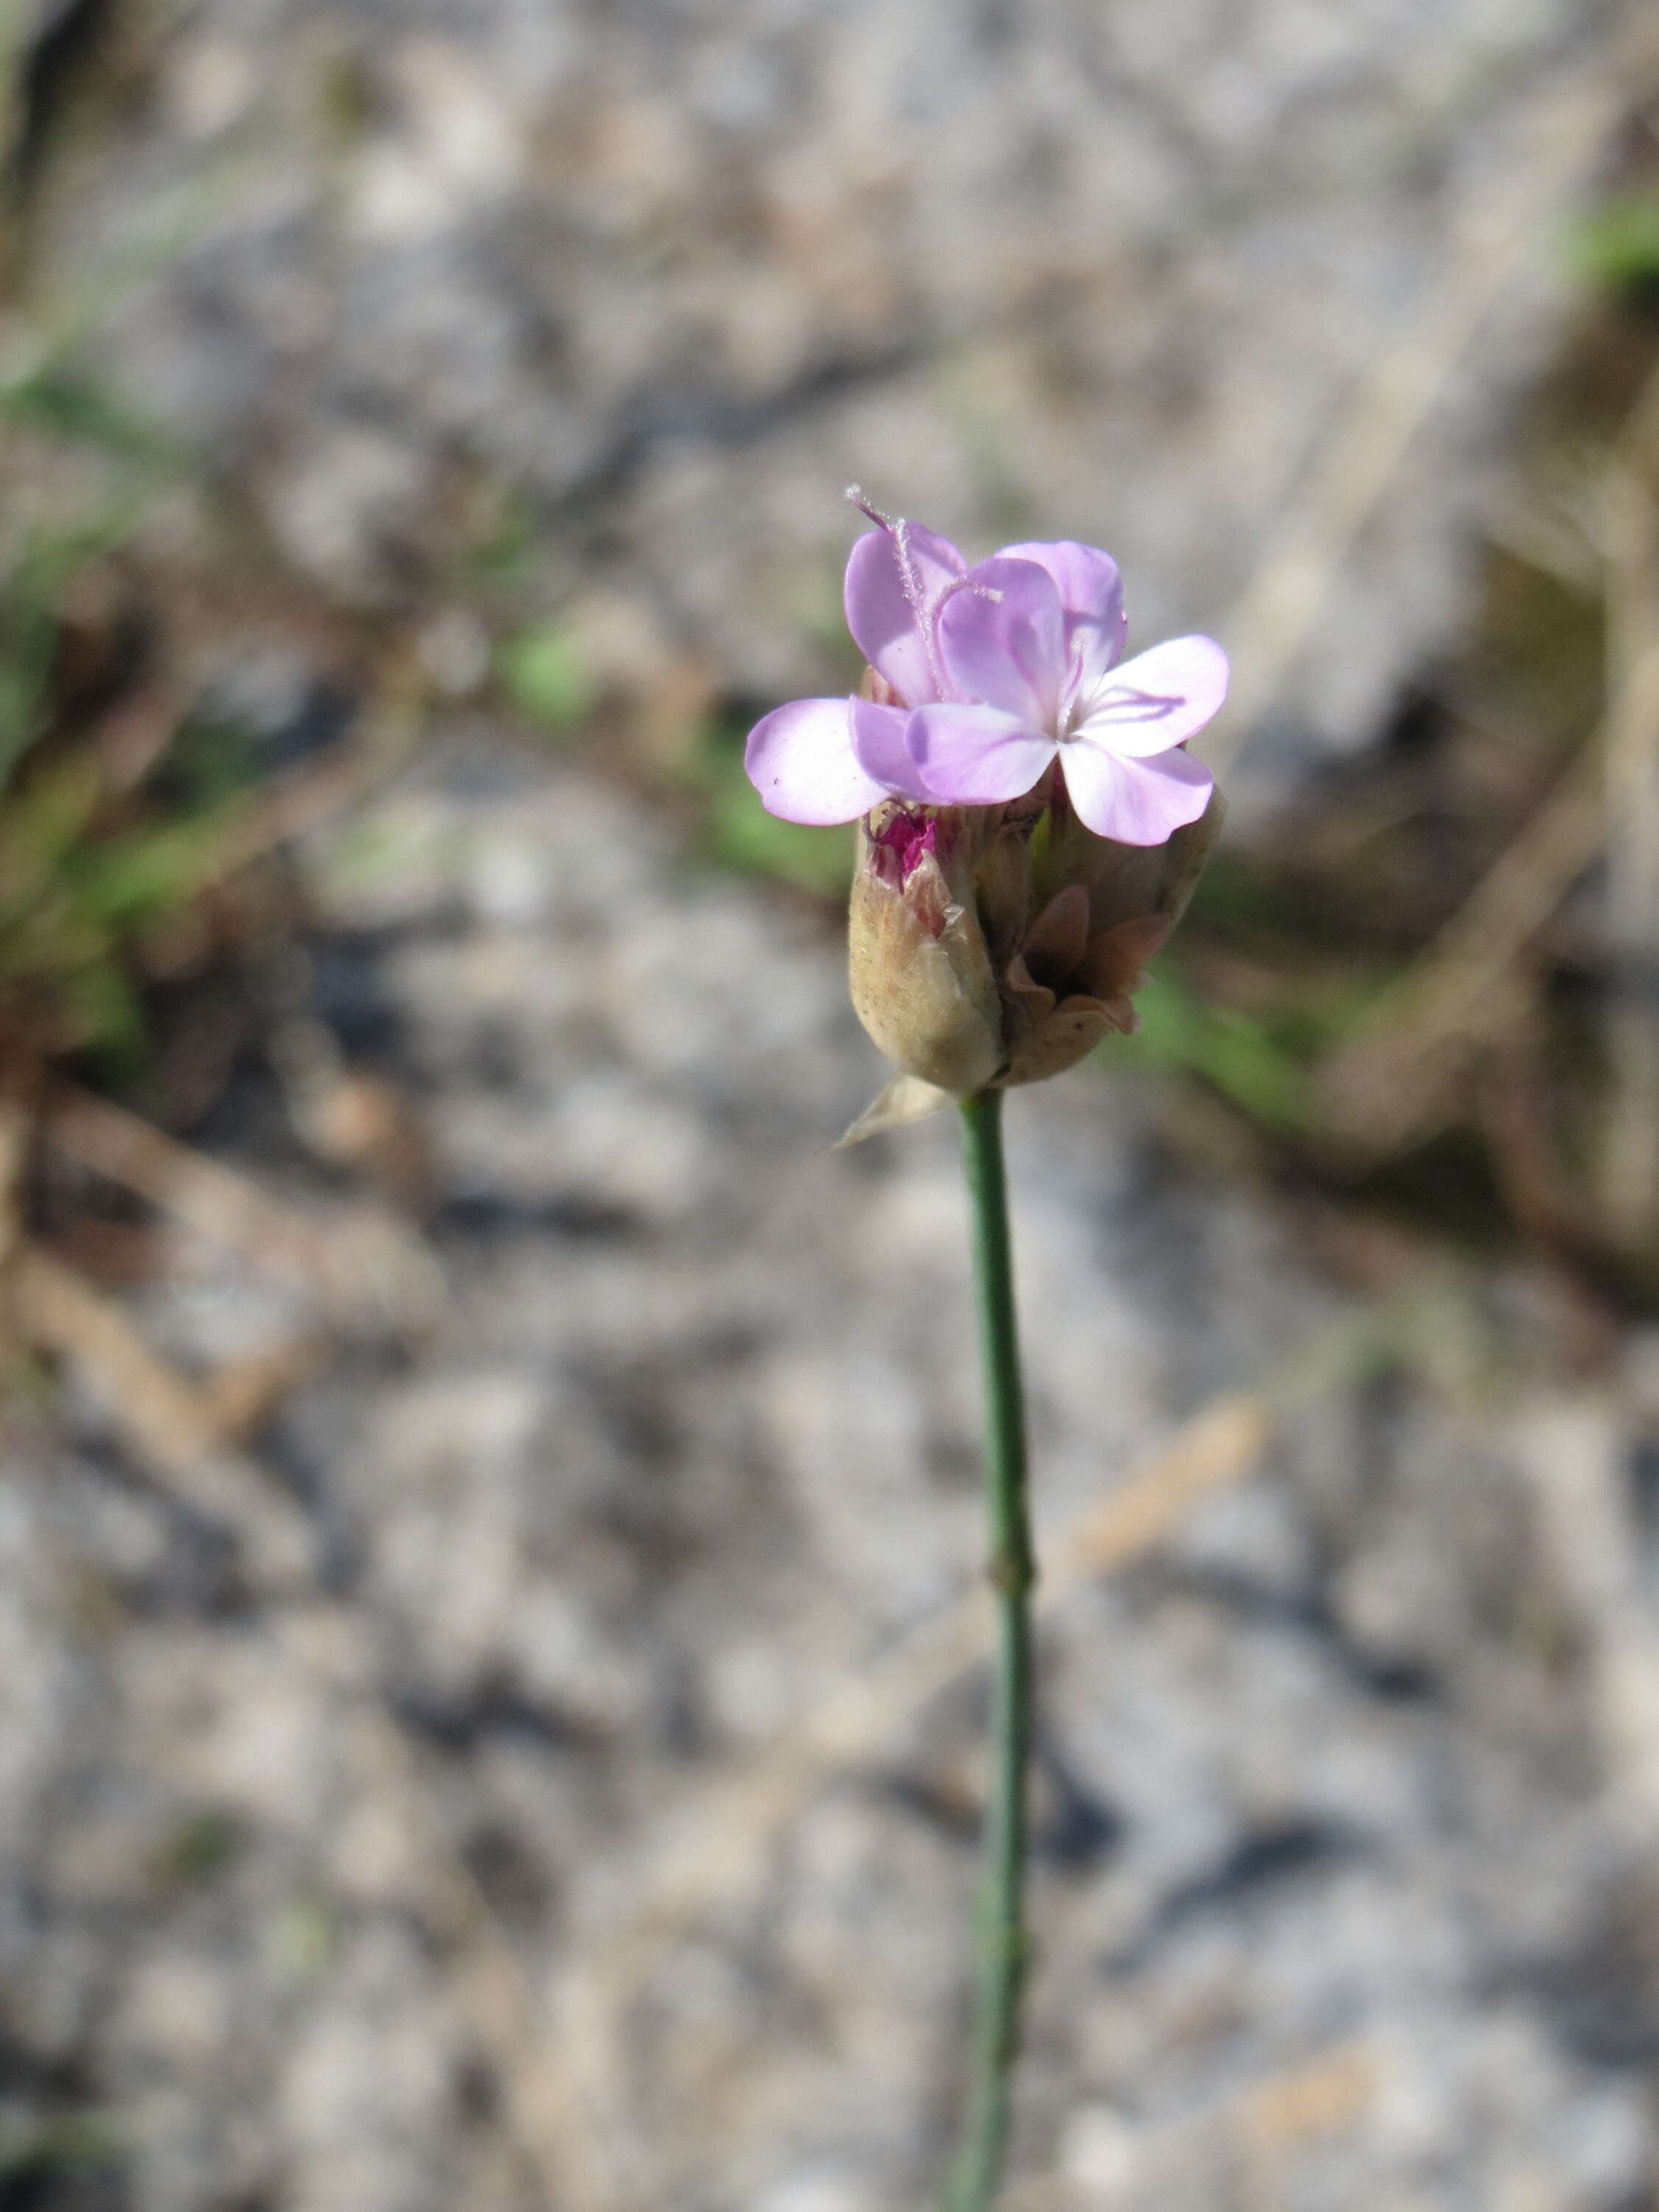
(1159,699)
(891,575)
(1003,640)
(1136,802)
(1091,599)
(975,755)
(879,748)
(801,759)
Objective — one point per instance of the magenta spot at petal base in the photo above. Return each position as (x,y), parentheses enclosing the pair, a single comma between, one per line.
(908,837)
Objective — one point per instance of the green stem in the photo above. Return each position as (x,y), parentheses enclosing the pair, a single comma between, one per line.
(1000,1947)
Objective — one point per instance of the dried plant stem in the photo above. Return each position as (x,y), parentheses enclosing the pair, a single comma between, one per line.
(1000,1947)
(1629,1164)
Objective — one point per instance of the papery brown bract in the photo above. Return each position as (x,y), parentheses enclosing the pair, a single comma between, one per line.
(992,946)
(1101,910)
(920,972)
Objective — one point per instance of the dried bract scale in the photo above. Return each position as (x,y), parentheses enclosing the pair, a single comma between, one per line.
(1101,910)
(921,971)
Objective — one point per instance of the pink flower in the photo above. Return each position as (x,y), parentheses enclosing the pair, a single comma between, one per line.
(992,673)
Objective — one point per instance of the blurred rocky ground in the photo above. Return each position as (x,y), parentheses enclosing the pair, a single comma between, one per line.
(586,1816)
(528,1760)
(625,296)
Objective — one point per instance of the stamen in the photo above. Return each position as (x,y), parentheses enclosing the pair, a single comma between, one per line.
(967,583)
(853,495)
(928,623)
(910,582)
(926,613)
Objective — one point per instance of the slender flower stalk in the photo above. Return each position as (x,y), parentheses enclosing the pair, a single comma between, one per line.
(1000,1931)
(1030,828)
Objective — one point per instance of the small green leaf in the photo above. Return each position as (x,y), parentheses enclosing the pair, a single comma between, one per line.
(34,2147)
(1617,244)
(1239,1057)
(202,1844)
(301,1939)
(743,835)
(546,677)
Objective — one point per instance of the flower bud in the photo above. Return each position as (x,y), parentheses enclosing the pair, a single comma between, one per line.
(920,972)
(1000,945)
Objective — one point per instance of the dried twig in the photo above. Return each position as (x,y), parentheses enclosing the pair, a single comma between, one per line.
(211,1199)
(1572,1448)
(174,1428)
(715,1845)
(364,1270)
(554,2141)
(1498,238)
(13,1156)
(165,1420)
(240,1395)
(1394,1081)
(1397,1078)
(302,799)
(1253,2130)
(718,1847)
(1630,1160)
